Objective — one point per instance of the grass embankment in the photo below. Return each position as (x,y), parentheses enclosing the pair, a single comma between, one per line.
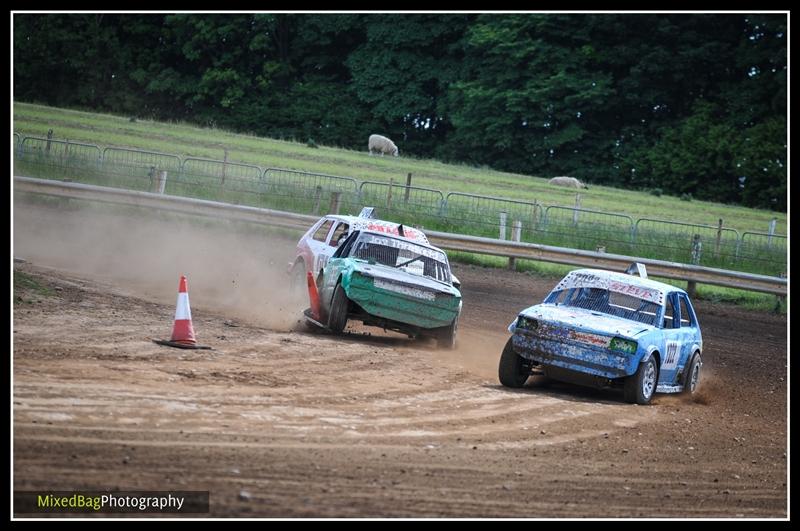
(191,141)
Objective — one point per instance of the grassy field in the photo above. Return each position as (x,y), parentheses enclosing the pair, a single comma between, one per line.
(192,141)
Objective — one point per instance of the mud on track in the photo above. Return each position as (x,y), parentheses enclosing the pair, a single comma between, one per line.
(278,422)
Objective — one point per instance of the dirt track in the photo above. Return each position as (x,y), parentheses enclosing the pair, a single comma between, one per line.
(282,423)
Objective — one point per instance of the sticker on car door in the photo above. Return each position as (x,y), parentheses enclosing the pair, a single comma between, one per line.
(672,355)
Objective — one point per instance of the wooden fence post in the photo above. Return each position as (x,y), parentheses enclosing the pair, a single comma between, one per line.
(224,167)
(161,181)
(335,202)
(771,231)
(575,212)
(516,235)
(317,197)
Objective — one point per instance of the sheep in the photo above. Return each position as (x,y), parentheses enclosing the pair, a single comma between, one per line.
(569,182)
(382,145)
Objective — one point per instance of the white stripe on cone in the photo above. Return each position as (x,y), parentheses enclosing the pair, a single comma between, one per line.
(182,310)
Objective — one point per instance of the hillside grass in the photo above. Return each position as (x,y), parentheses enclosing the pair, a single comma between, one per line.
(192,141)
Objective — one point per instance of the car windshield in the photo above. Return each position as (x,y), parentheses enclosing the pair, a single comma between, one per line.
(402,254)
(607,302)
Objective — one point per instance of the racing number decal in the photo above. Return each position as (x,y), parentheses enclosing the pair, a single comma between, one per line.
(673,353)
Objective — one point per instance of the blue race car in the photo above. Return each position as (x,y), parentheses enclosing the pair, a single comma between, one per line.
(604,328)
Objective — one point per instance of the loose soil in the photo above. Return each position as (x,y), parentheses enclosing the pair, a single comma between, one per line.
(277,421)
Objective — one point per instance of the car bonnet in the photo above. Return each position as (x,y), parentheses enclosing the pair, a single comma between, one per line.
(588,320)
(392,274)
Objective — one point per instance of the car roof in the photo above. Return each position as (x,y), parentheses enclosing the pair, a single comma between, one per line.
(644,288)
(382,226)
(425,243)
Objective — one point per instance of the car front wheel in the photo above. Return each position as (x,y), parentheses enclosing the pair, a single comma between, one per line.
(514,369)
(337,318)
(640,387)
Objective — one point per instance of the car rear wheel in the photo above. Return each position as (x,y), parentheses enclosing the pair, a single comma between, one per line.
(514,369)
(641,386)
(337,318)
(447,335)
(693,376)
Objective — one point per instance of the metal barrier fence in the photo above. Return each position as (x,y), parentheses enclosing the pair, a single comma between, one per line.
(56,159)
(458,242)
(486,215)
(688,243)
(138,169)
(756,248)
(588,229)
(209,171)
(135,158)
(406,204)
(300,191)
(314,193)
(62,151)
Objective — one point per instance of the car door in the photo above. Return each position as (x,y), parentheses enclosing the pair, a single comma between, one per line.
(336,266)
(671,357)
(335,236)
(318,242)
(689,330)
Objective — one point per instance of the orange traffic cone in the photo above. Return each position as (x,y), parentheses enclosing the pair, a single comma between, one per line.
(313,295)
(182,331)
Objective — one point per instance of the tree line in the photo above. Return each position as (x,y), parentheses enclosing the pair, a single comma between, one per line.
(692,105)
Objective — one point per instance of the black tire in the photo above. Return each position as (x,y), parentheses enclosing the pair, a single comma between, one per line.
(514,370)
(337,317)
(641,386)
(447,335)
(693,375)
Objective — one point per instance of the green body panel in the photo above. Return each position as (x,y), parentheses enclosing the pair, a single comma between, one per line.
(400,296)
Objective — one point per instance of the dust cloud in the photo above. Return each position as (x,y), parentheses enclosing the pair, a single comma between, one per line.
(238,272)
(477,351)
(709,387)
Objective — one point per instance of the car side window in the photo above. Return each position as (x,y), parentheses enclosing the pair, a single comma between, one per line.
(559,297)
(669,314)
(347,245)
(686,316)
(339,234)
(322,231)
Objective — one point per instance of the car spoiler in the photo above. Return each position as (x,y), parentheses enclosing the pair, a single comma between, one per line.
(637,269)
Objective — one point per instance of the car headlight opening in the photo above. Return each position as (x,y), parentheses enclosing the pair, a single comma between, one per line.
(623,345)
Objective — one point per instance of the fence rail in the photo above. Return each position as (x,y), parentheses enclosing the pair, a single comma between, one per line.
(219,170)
(141,159)
(458,242)
(487,215)
(62,151)
(427,208)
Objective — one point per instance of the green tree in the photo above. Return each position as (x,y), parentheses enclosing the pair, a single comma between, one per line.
(529,95)
(401,72)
